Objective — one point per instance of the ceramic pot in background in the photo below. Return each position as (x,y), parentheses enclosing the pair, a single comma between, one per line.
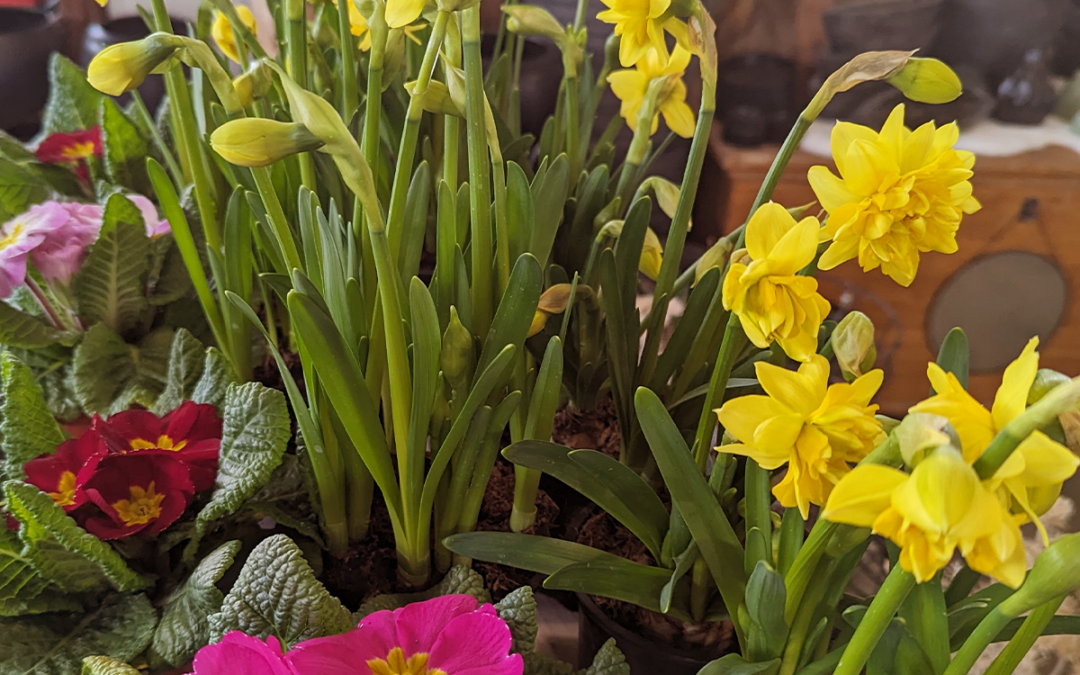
(643,655)
(1027,96)
(101,35)
(854,28)
(755,98)
(27,38)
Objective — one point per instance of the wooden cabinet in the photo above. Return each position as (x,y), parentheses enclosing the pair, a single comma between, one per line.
(1017,272)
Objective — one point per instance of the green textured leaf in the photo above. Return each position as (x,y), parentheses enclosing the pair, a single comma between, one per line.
(151,372)
(63,552)
(255,432)
(518,610)
(26,331)
(460,580)
(609,661)
(73,103)
(278,594)
(103,665)
(56,644)
(22,589)
(102,367)
(217,376)
(27,427)
(13,149)
(185,625)
(19,189)
(187,361)
(542,664)
(125,149)
(109,286)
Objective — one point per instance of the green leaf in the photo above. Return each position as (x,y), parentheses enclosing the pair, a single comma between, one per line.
(518,610)
(542,664)
(125,149)
(56,644)
(109,286)
(63,552)
(103,665)
(73,103)
(460,580)
(717,541)
(610,484)
(217,377)
(733,664)
(184,626)
(549,188)
(255,432)
(151,360)
(927,621)
(19,189)
(525,551)
(609,661)
(515,312)
(187,361)
(954,356)
(765,600)
(22,589)
(102,366)
(27,427)
(26,331)
(278,594)
(520,210)
(613,577)
(13,149)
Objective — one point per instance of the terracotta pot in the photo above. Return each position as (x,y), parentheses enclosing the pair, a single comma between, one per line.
(27,38)
(643,654)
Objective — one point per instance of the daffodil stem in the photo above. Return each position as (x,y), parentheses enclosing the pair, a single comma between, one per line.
(881,611)
(573,121)
(159,142)
(481,246)
(733,340)
(801,572)
(295,13)
(976,643)
(350,96)
(780,162)
(1030,631)
(758,515)
(804,619)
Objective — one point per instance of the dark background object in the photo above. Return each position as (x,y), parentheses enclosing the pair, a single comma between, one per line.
(1027,96)
(756,98)
(854,28)
(541,74)
(26,39)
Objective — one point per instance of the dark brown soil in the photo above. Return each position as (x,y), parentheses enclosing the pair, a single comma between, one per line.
(594,429)
(369,568)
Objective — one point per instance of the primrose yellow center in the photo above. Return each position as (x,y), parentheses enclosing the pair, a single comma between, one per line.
(65,490)
(11,238)
(144,505)
(163,443)
(396,664)
(77,151)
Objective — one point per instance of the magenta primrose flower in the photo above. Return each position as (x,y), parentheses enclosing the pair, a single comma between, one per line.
(448,635)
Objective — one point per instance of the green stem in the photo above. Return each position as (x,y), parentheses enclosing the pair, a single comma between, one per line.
(733,340)
(350,96)
(479,174)
(159,142)
(758,515)
(1021,643)
(776,170)
(804,619)
(526,487)
(296,16)
(978,641)
(881,611)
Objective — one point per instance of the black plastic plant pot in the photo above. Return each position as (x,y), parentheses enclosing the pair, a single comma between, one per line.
(27,38)
(643,655)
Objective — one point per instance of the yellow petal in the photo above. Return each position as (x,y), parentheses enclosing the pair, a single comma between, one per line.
(1046,462)
(742,416)
(652,255)
(1011,397)
(797,248)
(801,391)
(843,135)
(539,320)
(766,227)
(678,116)
(400,13)
(862,495)
(830,190)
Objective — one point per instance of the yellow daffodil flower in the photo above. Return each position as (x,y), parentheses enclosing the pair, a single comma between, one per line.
(358,25)
(900,193)
(1030,479)
(222,32)
(773,302)
(940,507)
(652,255)
(400,13)
(122,67)
(640,25)
(102,2)
(814,428)
(632,86)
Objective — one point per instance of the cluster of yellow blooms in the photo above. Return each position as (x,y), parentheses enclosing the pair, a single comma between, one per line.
(899,193)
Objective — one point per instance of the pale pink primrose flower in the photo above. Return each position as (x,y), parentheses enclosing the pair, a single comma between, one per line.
(19,236)
(448,635)
(63,249)
(155,226)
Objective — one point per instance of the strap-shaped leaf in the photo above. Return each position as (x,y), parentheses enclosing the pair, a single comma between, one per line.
(610,484)
(27,428)
(616,578)
(515,312)
(525,551)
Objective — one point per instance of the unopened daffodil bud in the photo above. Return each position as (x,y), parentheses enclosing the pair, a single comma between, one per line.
(122,67)
(866,67)
(255,83)
(920,433)
(853,345)
(667,194)
(715,257)
(530,20)
(254,141)
(927,81)
(222,31)
(552,301)
(612,228)
(317,114)
(1056,572)
(652,255)
(1046,380)
(436,98)
(458,358)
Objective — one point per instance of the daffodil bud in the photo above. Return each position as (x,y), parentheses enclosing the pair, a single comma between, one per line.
(740,257)
(866,67)
(853,344)
(554,299)
(920,433)
(1046,380)
(458,357)
(317,114)
(255,83)
(530,20)
(436,98)
(120,68)
(652,255)
(254,141)
(667,194)
(715,257)
(927,81)
(1056,572)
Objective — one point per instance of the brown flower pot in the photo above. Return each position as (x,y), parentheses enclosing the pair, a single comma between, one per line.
(643,654)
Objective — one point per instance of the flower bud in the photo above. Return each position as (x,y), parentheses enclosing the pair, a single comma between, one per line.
(122,67)
(222,31)
(853,344)
(740,257)
(255,83)
(1045,381)
(920,433)
(667,194)
(436,98)
(927,81)
(458,358)
(652,255)
(866,67)
(715,257)
(254,141)
(554,299)
(1056,572)
(530,20)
